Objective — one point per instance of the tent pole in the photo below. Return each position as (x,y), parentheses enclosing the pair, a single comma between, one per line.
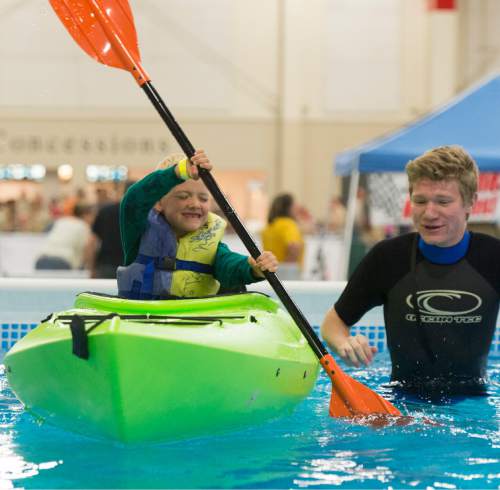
(349,221)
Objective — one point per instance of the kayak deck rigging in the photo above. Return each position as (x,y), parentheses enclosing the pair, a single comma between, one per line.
(139,371)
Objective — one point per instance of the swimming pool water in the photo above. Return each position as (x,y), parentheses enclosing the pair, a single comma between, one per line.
(305,449)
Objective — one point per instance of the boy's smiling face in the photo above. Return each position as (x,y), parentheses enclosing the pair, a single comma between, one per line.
(186,206)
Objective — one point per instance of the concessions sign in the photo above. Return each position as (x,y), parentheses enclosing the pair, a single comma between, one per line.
(389,202)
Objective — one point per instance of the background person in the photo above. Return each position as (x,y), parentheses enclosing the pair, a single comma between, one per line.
(283,237)
(172,244)
(105,246)
(66,245)
(71,200)
(337,215)
(439,287)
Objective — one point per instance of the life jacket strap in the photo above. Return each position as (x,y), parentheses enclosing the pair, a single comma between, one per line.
(173,264)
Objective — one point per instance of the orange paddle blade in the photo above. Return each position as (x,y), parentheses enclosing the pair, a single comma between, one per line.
(105,30)
(351,398)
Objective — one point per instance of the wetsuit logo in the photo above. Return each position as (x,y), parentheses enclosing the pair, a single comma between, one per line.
(445,306)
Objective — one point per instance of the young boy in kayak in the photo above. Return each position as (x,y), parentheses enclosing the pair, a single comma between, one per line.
(172,243)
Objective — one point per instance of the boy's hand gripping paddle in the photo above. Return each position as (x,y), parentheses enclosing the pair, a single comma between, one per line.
(105,30)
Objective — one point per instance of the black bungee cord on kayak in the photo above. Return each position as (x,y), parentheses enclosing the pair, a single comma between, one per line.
(79,332)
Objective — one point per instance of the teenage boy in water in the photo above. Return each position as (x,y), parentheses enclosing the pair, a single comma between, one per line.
(172,244)
(439,287)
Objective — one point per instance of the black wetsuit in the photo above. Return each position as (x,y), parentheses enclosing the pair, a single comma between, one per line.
(445,342)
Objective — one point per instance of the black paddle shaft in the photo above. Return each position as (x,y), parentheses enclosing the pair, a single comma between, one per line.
(229,212)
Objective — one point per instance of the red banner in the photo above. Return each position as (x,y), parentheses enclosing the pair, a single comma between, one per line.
(441,4)
(389,201)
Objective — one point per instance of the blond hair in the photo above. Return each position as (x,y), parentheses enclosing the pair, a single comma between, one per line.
(446,163)
(170,160)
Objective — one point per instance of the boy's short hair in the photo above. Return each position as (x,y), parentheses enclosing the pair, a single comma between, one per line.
(170,160)
(446,163)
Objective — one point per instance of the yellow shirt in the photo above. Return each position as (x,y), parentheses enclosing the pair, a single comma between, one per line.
(278,235)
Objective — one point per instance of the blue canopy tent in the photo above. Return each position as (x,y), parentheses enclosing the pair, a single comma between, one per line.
(471,120)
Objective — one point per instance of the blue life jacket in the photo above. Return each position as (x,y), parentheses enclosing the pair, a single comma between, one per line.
(165,267)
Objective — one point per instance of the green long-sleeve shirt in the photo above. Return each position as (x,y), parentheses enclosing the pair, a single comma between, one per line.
(231,269)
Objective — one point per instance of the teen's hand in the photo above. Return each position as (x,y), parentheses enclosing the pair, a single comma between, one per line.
(355,350)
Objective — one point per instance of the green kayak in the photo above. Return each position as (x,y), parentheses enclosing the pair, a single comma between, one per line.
(139,371)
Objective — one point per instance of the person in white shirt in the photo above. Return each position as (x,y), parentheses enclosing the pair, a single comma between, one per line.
(66,243)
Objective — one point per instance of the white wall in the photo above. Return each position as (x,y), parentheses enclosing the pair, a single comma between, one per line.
(275,85)
(218,57)
(479,39)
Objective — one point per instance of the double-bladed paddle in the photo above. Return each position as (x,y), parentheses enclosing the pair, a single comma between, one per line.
(105,30)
